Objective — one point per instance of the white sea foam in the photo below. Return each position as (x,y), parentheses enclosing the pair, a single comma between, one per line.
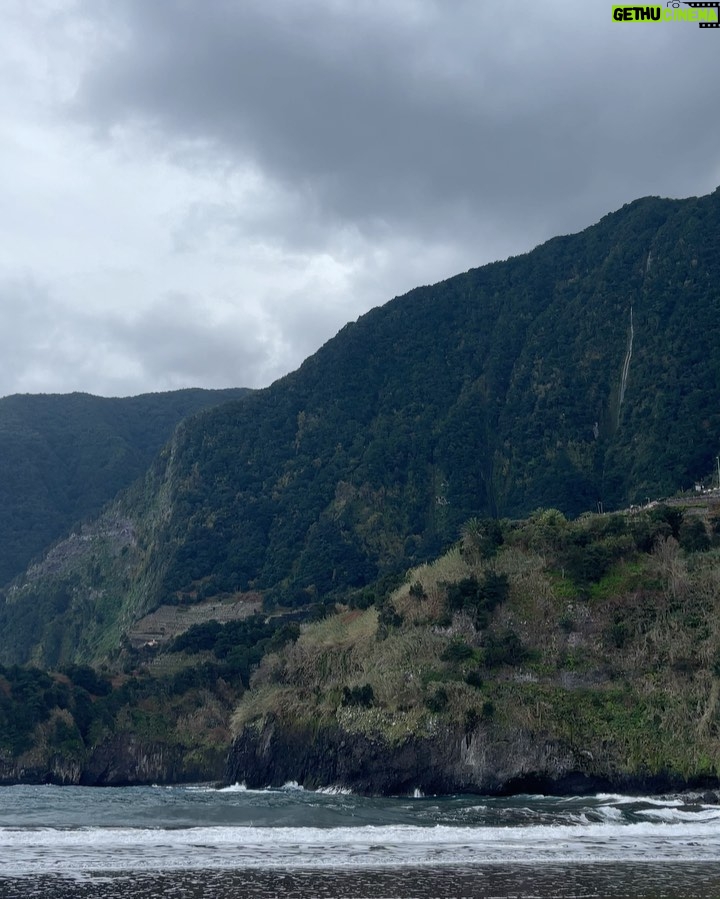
(234,788)
(147,830)
(609,812)
(116,849)
(707,813)
(335,791)
(620,799)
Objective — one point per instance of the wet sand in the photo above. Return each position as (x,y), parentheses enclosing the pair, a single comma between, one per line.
(604,881)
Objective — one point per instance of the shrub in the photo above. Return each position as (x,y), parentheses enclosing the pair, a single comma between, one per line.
(438,701)
(693,536)
(388,614)
(477,598)
(488,710)
(494,590)
(86,677)
(286,633)
(587,564)
(618,633)
(671,516)
(474,678)
(360,696)
(463,593)
(503,649)
(457,651)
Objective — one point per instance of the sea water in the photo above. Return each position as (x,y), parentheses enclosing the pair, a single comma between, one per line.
(198,842)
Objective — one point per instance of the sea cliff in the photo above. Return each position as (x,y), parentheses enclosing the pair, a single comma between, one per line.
(451,762)
(122,760)
(537,655)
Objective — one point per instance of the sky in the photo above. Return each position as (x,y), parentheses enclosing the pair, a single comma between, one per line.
(202,192)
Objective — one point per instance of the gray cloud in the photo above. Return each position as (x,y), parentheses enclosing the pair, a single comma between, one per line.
(408,115)
(178,343)
(203,193)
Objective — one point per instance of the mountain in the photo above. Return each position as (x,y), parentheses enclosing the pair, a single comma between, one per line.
(542,655)
(556,657)
(64,456)
(586,372)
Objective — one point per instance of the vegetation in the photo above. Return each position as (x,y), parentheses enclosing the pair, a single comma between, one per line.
(617,658)
(185,703)
(65,456)
(621,658)
(490,394)
(412,436)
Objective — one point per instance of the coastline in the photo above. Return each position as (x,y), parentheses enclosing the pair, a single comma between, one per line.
(452,763)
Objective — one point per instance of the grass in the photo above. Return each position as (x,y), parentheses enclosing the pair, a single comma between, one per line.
(627,675)
(623,578)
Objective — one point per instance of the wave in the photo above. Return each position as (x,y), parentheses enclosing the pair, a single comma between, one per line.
(621,799)
(203,827)
(608,813)
(291,786)
(29,850)
(706,813)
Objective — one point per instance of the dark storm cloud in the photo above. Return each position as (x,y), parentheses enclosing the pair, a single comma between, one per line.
(421,115)
(205,192)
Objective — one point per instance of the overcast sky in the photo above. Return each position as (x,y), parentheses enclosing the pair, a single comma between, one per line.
(202,192)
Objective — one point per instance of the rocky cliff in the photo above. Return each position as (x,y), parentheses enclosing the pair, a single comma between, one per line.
(122,760)
(486,761)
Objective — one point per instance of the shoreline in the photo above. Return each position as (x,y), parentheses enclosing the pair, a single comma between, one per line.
(481,881)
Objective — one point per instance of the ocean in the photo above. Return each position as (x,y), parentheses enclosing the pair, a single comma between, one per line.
(199,842)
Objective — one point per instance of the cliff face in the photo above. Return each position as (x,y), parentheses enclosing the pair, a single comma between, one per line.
(450,762)
(483,762)
(64,456)
(122,760)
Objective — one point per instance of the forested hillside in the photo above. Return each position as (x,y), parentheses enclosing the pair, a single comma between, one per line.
(492,393)
(63,456)
(535,655)
(586,372)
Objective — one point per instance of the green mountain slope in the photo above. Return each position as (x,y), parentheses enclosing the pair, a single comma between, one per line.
(64,456)
(537,655)
(494,392)
(557,657)
(584,372)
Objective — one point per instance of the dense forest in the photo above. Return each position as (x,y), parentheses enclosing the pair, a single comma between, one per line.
(65,456)
(582,375)
(493,393)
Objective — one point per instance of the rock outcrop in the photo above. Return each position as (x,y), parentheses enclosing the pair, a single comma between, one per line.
(480,762)
(122,760)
